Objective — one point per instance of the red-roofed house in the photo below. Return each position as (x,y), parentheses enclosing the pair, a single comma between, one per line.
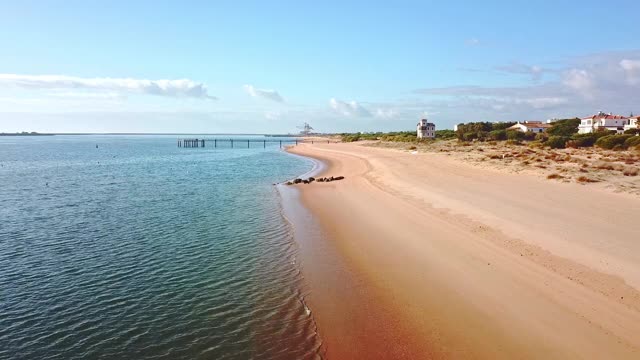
(601,122)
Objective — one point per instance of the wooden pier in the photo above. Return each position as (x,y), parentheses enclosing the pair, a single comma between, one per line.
(240,143)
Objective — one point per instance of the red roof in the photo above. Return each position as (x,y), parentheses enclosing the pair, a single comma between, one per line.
(605,116)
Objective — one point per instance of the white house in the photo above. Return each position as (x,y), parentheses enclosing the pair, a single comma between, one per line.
(530,126)
(426,129)
(601,122)
(632,123)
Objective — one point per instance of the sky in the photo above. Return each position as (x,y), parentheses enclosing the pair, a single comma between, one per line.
(269,66)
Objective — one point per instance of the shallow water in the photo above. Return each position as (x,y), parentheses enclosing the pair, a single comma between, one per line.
(140,249)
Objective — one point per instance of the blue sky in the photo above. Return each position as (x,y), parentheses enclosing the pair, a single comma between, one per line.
(265,67)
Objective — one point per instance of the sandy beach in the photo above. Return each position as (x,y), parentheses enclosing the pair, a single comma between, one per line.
(425,256)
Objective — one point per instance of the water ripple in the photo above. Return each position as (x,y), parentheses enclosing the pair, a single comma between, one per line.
(154,253)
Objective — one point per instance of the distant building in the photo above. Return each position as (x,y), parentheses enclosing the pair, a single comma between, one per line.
(602,122)
(530,126)
(632,123)
(426,129)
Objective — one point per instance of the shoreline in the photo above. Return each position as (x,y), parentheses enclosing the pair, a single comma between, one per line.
(337,291)
(475,270)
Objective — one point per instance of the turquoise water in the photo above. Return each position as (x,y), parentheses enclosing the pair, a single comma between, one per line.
(138,249)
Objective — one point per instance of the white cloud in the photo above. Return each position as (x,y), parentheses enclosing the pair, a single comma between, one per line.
(473,42)
(385,113)
(351,108)
(427,114)
(605,81)
(263,93)
(274,115)
(632,70)
(171,88)
(580,80)
(87,95)
(630,65)
(543,102)
(534,71)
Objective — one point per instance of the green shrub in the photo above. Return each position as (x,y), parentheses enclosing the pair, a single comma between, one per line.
(557,142)
(469,136)
(583,140)
(482,135)
(350,137)
(632,131)
(445,134)
(497,135)
(536,144)
(587,140)
(502,125)
(610,141)
(530,136)
(399,136)
(632,141)
(566,127)
(515,135)
(480,129)
(542,137)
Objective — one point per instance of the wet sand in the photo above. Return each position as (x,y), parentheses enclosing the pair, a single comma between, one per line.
(422,256)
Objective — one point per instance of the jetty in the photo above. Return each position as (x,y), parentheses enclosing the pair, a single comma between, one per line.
(242,143)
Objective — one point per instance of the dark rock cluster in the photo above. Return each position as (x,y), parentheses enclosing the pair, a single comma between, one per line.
(312,179)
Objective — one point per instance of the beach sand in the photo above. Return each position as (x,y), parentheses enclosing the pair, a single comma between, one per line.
(424,256)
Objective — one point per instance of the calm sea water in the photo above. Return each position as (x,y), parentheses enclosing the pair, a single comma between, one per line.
(139,249)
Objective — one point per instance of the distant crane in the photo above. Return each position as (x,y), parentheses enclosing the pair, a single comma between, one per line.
(306,129)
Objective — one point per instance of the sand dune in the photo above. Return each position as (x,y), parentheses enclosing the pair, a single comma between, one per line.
(428,257)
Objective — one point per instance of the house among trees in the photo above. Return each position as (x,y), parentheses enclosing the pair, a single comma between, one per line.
(602,122)
(530,126)
(426,129)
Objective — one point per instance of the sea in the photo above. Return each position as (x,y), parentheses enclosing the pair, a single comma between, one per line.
(130,247)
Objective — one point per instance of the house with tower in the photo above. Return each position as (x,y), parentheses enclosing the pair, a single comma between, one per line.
(426,130)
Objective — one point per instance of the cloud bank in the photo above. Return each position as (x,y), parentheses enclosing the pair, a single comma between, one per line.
(170,88)
(584,85)
(263,93)
(534,71)
(351,108)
